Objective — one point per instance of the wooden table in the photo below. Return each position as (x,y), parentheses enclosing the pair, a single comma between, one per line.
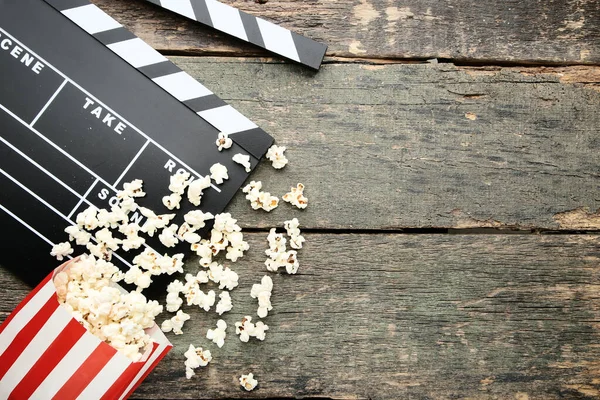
(450,151)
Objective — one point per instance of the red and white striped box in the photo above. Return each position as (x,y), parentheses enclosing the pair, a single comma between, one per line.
(46,354)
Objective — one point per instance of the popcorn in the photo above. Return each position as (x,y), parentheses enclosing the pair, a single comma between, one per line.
(247,329)
(170,264)
(128,205)
(194,358)
(296,196)
(204,300)
(132,242)
(278,256)
(225,223)
(228,279)
(248,382)
(168,236)
(153,221)
(188,234)
(80,237)
(293,231)
(197,219)
(218,173)
(105,237)
(175,323)
(87,218)
(100,250)
(175,287)
(244,328)
(117,318)
(146,260)
(131,189)
(141,279)
(275,155)
(205,251)
(237,246)
(276,242)
(179,182)
(218,335)
(259,199)
(61,250)
(111,219)
(224,303)
(262,292)
(174,302)
(223,141)
(172,201)
(243,160)
(196,189)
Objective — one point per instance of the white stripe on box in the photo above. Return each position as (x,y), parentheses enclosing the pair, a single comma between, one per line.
(25,315)
(106,377)
(38,345)
(136,52)
(227,119)
(183,7)
(226,19)
(145,368)
(91,19)
(63,371)
(182,86)
(277,39)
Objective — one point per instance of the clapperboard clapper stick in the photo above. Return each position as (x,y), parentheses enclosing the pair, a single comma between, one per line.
(77,121)
(250,29)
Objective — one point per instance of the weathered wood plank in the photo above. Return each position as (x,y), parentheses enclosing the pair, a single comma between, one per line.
(463,30)
(404,146)
(405,316)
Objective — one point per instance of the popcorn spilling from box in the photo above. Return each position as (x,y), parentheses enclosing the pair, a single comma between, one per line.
(120,325)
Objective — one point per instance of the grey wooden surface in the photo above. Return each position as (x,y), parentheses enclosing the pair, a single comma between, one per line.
(496,135)
(397,316)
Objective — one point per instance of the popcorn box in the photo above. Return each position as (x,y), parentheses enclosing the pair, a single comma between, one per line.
(45,353)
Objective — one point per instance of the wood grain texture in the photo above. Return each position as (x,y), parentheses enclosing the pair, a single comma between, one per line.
(404,316)
(564,32)
(418,146)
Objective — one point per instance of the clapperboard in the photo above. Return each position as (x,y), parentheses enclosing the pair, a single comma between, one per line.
(86,106)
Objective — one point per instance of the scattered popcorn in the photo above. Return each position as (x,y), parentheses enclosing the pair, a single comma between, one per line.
(296,196)
(146,260)
(87,219)
(218,335)
(197,219)
(176,323)
(276,243)
(248,382)
(204,300)
(188,234)
(131,189)
(80,237)
(276,156)
(170,264)
(118,318)
(218,173)
(128,205)
(111,219)
(278,256)
(224,303)
(228,279)
(262,292)
(99,250)
(205,251)
(195,357)
(259,199)
(61,250)
(196,189)
(247,329)
(172,201)
(179,182)
(223,141)
(243,160)
(225,223)
(168,236)
(175,287)
(293,231)
(237,246)
(132,242)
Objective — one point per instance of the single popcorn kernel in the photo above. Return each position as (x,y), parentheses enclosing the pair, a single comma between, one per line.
(243,160)
(218,173)
(296,197)
(61,250)
(248,382)
(223,141)
(275,155)
(218,335)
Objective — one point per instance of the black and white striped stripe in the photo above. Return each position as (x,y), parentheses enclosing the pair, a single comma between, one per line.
(248,28)
(163,72)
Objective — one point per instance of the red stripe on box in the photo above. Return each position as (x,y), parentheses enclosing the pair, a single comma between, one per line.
(48,360)
(22,304)
(123,381)
(154,364)
(86,372)
(26,335)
